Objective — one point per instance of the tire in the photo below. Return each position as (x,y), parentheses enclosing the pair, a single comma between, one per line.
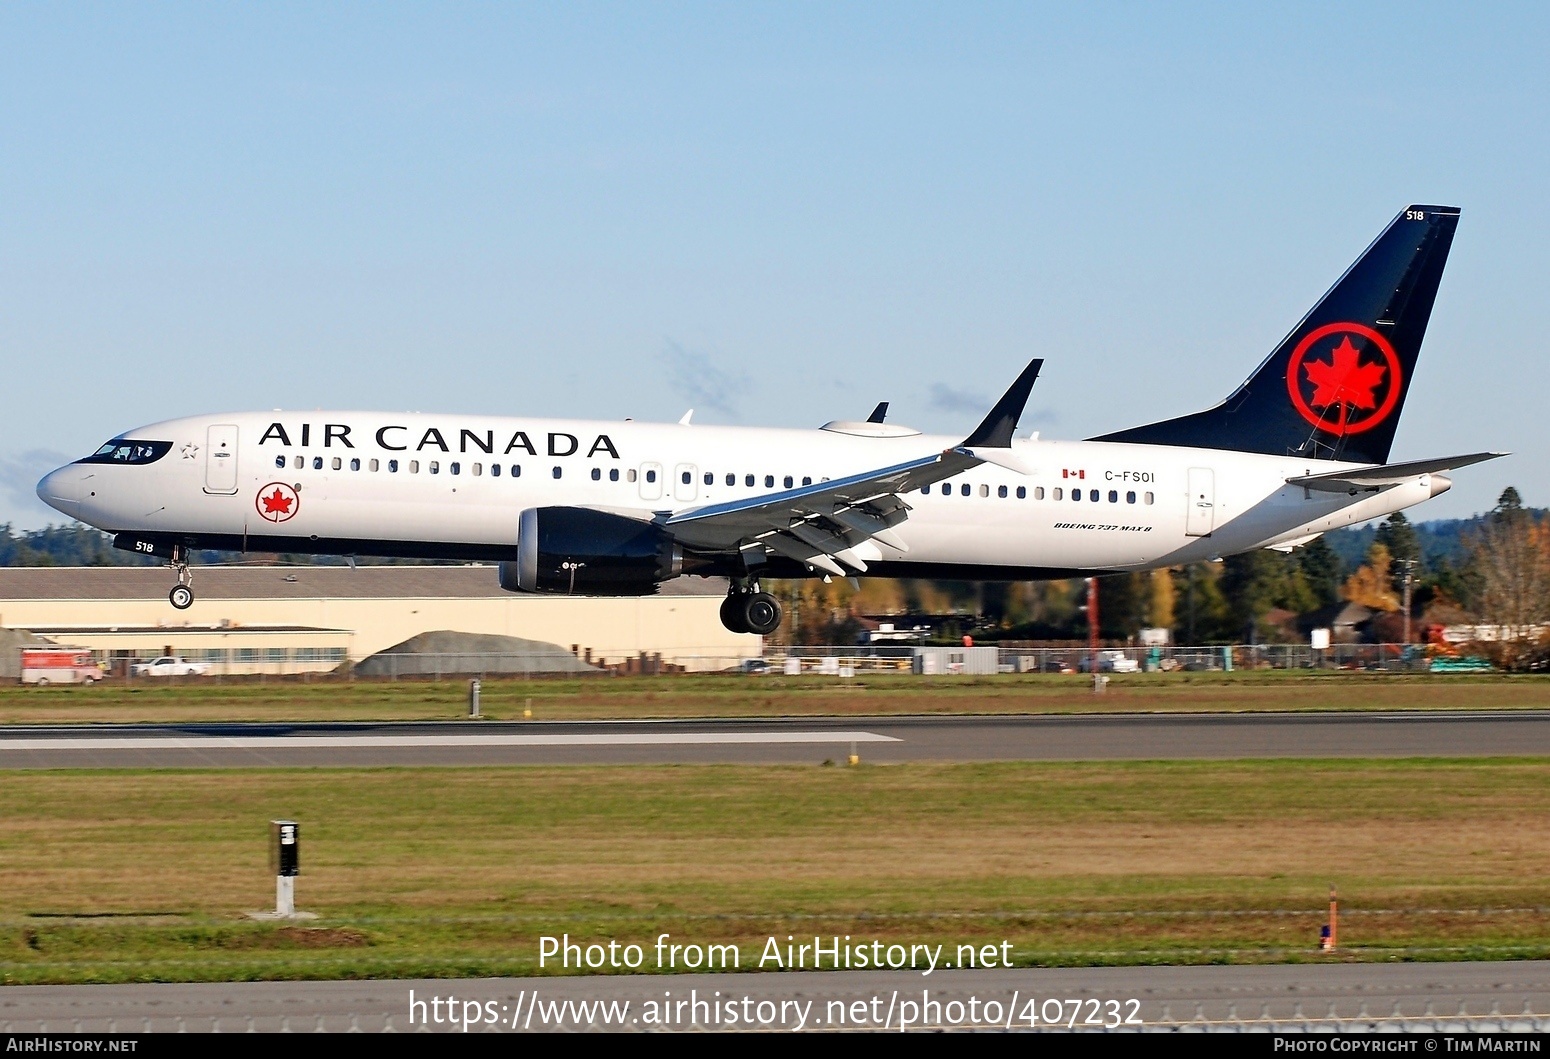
(42,682)
(732,613)
(181,597)
(761,613)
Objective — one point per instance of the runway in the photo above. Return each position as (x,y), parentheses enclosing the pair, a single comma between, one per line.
(879,740)
(1456,997)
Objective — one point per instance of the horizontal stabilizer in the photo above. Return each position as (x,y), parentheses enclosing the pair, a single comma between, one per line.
(1377,477)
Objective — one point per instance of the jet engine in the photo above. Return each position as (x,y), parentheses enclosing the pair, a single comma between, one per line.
(580,551)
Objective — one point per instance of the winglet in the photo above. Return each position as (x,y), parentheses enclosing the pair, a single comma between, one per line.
(996,431)
(879,413)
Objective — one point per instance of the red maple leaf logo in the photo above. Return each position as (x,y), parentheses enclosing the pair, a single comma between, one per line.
(1343,379)
(277,503)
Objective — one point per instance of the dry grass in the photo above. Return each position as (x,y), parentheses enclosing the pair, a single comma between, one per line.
(755,696)
(425,871)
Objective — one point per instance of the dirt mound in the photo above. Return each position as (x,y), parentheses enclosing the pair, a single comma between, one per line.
(472,654)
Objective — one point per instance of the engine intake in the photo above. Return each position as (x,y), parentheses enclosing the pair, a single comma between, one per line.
(576,550)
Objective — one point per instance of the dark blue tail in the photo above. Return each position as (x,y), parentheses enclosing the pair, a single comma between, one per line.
(1334,388)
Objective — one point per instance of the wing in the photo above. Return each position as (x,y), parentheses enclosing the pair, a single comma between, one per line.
(1360,479)
(823,524)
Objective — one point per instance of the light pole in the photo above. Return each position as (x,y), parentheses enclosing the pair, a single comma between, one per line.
(1409,565)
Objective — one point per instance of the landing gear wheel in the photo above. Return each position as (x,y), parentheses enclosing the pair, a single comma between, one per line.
(761,613)
(732,613)
(181,597)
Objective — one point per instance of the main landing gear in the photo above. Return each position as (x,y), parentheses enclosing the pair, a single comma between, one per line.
(182,594)
(746,609)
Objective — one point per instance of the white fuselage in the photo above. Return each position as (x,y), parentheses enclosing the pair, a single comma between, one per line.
(378,483)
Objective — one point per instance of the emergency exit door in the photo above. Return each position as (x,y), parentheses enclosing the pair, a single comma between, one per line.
(1200,519)
(221,459)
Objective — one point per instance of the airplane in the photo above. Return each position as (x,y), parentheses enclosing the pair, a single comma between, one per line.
(616,508)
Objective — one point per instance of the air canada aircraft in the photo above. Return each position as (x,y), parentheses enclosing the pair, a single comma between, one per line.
(615,508)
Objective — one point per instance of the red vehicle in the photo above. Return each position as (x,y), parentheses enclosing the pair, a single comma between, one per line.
(58,665)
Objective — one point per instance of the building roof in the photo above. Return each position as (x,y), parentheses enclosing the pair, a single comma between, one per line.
(283,582)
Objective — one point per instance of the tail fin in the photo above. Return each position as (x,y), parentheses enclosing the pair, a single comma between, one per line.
(1335,386)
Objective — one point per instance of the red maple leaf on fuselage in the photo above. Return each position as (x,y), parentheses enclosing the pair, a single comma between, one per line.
(277,503)
(1343,379)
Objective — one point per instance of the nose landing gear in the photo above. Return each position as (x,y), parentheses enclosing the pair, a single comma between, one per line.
(747,609)
(182,594)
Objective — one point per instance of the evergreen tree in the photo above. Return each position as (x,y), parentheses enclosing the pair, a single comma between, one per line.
(1321,570)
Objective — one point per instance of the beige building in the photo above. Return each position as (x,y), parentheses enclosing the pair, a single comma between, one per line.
(286,619)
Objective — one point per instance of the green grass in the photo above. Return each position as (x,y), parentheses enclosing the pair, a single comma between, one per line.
(763,696)
(145,875)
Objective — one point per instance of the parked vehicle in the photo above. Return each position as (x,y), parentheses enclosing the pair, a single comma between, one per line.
(170,666)
(1111,662)
(58,665)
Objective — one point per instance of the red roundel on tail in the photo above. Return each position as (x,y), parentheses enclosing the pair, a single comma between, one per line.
(1344,378)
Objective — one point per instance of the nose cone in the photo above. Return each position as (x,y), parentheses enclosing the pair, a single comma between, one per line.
(61,490)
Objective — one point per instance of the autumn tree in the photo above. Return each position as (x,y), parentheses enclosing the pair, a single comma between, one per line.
(1372,585)
(1510,557)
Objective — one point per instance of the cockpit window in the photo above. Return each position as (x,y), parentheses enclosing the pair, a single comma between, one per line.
(121,451)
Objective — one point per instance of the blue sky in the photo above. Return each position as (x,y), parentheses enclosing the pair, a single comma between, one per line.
(776,214)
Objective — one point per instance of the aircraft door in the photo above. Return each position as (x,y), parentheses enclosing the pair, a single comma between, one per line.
(221,459)
(651,481)
(1200,519)
(684,484)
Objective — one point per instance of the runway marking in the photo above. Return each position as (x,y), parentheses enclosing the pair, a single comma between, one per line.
(333,742)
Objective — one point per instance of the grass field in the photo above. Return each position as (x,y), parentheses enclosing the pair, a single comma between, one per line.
(145,875)
(758,696)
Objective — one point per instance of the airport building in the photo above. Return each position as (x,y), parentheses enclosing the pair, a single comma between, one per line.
(288,619)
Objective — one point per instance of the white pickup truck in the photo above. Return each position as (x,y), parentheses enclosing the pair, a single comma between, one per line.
(170,666)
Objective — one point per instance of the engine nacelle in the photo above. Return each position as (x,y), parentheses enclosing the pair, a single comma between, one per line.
(576,550)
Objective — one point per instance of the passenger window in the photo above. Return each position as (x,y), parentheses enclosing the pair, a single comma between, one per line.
(338,463)
(985,490)
(597,474)
(1001,490)
(317,463)
(748,480)
(374,465)
(1148,498)
(687,478)
(731,479)
(392,466)
(414,466)
(556,471)
(279,461)
(1076,494)
(495,470)
(651,476)
(807,481)
(434,467)
(1113,496)
(613,474)
(789,481)
(964,488)
(1057,493)
(456,467)
(1022,492)
(300,462)
(769,481)
(630,476)
(355,463)
(478,469)
(1093,495)
(947,489)
(1038,492)
(516,470)
(1130,497)
(710,479)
